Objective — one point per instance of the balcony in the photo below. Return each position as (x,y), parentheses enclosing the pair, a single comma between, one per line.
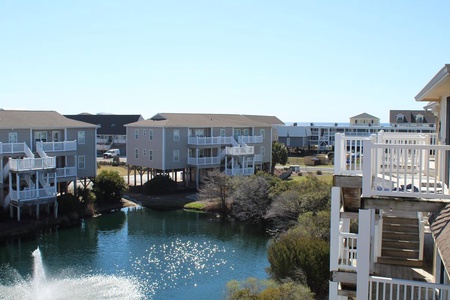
(33,194)
(394,165)
(11,148)
(240,171)
(219,140)
(58,146)
(66,172)
(204,161)
(28,164)
(257,139)
(248,150)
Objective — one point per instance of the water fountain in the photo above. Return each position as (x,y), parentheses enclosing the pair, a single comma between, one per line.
(75,287)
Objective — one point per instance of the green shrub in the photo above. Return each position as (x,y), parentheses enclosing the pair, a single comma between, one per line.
(253,289)
(299,258)
(68,204)
(109,187)
(160,185)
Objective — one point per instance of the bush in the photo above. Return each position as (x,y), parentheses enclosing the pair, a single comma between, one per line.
(160,185)
(301,259)
(109,187)
(253,289)
(68,204)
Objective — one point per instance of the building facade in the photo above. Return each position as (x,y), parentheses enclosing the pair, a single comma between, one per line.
(189,145)
(42,152)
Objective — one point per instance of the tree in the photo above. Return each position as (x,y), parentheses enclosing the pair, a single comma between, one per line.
(109,187)
(300,258)
(216,186)
(250,198)
(279,155)
(311,195)
(160,185)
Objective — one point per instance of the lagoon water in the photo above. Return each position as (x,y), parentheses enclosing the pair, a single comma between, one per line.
(134,253)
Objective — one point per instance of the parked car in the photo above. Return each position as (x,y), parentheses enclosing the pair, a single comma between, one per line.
(111,153)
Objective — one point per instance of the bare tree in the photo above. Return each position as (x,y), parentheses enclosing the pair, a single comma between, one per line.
(216,186)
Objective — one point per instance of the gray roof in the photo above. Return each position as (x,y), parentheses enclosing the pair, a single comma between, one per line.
(108,124)
(36,119)
(364,115)
(440,228)
(265,119)
(410,116)
(203,120)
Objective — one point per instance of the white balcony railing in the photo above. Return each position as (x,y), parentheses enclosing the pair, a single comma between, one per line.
(203,161)
(397,165)
(66,172)
(218,140)
(11,148)
(25,164)
(33,194)
(390,289)
(249,150)
(251,139)
(58,146)
(240,171)
(348,251)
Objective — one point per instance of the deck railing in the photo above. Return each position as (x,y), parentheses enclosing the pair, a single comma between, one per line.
(394,164)
(249,150)
(33,194)
(381,288)
(10,148)
(66,172)
(58,146)
(240,171)
(203,161)
(251,139)
(348,251)
(26,164)
(216,140)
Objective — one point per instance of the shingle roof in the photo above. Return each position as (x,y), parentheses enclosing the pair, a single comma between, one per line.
(410,116)
(203,120)
(108,124)
(364,115)
(440,228)
(24,119)
(265,119)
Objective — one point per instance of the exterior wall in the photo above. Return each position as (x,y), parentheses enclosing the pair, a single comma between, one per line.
(88,149)
(23,135)
(144,142)
(181,145)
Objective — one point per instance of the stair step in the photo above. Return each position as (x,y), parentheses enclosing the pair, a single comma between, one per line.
(400,227)
(401,236)
(400,244)
(399,253)
(399,220)
(410,262)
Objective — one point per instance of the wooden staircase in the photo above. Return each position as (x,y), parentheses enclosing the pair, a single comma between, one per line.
(400,244)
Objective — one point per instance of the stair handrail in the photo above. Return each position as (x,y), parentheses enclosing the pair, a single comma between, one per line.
(40,149)
(421,234)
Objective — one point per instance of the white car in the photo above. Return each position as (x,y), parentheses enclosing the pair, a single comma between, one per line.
(111,153)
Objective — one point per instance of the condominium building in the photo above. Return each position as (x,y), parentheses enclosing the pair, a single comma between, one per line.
(41,153)
(192,144)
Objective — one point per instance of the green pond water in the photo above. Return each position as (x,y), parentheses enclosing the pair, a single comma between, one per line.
(134,253)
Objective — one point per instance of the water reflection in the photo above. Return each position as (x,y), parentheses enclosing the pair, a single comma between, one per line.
(172,253)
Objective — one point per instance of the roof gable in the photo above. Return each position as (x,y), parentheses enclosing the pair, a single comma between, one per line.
(108,124)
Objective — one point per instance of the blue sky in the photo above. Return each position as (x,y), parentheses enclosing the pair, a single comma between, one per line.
(302,61)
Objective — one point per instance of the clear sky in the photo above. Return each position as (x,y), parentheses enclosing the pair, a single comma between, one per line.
(302,61)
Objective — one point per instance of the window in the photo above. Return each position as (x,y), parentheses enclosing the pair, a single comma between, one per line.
(40,136)
(176,155)
(262,132)
(176,135)
(144,152)
(150,134)
(150,155)
(12,137)
(81,137)
(400,118)
(144,132)
(136,134)
(262,151)
(200,132)
(419,118)
(81,162)
(245,132)
(236,133)
(136,153)
(222,132)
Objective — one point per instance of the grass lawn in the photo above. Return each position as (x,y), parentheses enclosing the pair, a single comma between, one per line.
(327,178)
(121,169)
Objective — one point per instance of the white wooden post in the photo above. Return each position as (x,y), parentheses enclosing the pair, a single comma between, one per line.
(363,268)
(334,239)
(367,169)
(338,153)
